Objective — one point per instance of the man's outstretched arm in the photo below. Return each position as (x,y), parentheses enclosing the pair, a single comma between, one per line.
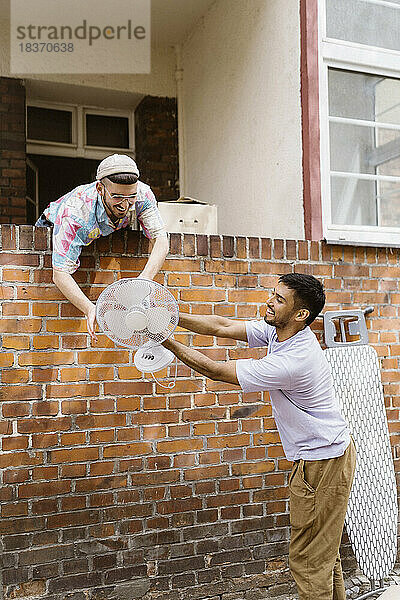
(157,256)
(71,290)
(215,370)
(214,325)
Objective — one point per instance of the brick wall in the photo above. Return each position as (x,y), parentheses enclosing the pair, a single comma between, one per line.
(12,151)
(114,488)
(156,145)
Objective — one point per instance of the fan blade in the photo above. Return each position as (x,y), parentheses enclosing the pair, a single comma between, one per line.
(132,292)
(159,318)
(115,321)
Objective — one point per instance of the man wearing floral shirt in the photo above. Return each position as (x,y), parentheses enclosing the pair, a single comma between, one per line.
(97,209)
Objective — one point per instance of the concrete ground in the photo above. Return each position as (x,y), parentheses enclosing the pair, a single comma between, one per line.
(358,584)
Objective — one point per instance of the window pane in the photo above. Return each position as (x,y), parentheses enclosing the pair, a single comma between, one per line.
(107,131)
(387,101)
(361,96)
(364,23)
(389,203)
(49,125)
(358,147)
(353,201)
(368,150)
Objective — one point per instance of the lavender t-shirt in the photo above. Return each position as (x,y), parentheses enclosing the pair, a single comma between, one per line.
(296,374)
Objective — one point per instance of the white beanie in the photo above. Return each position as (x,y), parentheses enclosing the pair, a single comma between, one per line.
(116,163)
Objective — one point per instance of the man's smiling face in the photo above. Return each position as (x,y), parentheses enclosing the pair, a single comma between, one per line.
(118,199)
(280,306)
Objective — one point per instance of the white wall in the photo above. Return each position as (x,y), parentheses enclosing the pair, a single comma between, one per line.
(242,118)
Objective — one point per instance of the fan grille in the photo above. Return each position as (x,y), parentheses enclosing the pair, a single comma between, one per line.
(145,294)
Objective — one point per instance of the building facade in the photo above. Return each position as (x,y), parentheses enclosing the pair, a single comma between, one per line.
(284,115)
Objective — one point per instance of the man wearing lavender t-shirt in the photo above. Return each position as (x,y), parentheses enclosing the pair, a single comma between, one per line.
(313,432)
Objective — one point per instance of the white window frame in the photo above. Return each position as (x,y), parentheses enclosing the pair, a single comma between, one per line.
(350,56)
(34,201)
(78,147)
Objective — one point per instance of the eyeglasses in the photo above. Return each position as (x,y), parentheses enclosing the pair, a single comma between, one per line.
(120,197)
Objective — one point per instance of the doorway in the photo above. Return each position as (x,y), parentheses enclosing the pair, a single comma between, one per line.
(53,176)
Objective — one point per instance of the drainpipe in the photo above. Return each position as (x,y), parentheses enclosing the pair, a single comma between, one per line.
(181,129)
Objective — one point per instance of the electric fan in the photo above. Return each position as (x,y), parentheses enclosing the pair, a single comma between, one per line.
(139,314)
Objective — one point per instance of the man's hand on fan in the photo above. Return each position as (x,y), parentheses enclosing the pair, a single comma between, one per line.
(91,321)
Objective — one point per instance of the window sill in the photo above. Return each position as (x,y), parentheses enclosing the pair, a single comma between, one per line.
(363,236)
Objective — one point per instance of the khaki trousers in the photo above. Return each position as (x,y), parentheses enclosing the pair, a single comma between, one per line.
(319,493)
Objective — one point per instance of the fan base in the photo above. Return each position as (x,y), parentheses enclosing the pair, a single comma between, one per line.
(151,358)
